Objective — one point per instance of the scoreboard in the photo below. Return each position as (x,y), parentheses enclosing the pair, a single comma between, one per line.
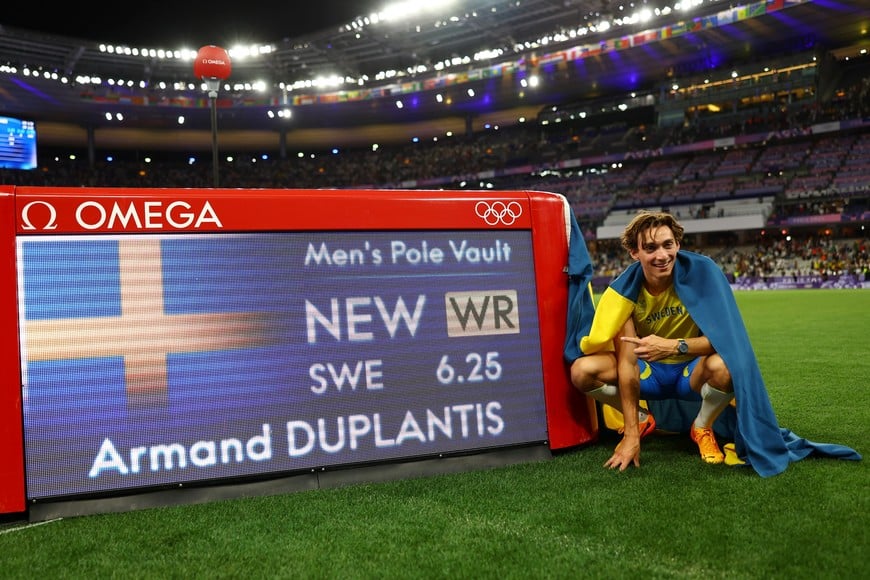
(178,337)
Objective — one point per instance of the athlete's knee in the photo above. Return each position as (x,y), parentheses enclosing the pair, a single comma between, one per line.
(580,376)
(590,372)
(717,373)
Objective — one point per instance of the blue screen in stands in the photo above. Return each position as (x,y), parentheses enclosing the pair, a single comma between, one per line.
(17,143)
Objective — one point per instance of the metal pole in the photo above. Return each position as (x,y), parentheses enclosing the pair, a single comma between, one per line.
(214,145)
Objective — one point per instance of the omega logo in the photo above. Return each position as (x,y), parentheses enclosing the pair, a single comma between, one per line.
(93,215)
(50,224)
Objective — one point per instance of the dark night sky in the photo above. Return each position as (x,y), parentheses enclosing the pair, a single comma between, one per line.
(188,24)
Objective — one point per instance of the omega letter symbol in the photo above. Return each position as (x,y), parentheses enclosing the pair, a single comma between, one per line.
(50,224)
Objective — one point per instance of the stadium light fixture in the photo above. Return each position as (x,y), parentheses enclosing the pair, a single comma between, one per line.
(213,65)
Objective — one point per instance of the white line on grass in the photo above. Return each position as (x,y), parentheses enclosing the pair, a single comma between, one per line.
(27,526)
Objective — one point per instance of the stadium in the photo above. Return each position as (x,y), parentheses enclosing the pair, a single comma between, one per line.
(749,122)
(683,117)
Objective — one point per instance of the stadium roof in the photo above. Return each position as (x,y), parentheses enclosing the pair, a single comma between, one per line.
(357,73)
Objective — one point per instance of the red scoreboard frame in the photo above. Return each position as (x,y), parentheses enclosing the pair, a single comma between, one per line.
(82,213)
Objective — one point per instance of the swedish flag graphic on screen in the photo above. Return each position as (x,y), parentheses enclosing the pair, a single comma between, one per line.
(149,360)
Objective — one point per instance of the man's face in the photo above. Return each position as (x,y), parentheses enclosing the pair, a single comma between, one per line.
(656,251)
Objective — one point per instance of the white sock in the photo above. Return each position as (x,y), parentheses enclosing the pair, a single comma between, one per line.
(713,401)
(609,395)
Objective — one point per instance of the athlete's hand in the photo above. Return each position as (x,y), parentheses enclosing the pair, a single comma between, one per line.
(652,347)
(627,452)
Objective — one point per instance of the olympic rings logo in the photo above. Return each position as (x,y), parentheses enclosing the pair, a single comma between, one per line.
(498,212)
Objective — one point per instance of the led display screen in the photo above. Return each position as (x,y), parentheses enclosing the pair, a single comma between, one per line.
(17,143)
(156,359)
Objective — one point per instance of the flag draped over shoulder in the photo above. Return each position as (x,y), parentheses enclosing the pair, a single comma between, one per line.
(705,292)
(581,307)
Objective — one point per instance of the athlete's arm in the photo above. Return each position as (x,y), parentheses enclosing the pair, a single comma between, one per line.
(653,347)
(627,452)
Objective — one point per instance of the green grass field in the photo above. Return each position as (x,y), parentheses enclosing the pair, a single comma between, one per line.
(568,517)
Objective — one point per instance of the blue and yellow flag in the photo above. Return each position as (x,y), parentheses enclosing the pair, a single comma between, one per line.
(581,305)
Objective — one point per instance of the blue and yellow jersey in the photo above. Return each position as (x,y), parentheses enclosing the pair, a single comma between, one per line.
(664,315)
